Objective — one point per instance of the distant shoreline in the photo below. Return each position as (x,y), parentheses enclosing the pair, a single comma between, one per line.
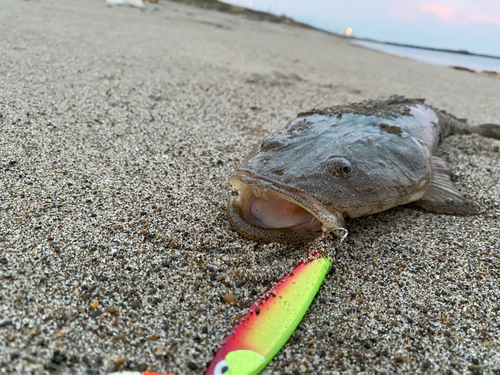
(461,52)
(264,16)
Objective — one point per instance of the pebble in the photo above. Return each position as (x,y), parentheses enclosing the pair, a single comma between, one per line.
(119,360)
(95,313)
(58,358)
(158,350)
(231,298)
(426,365)
(192,365)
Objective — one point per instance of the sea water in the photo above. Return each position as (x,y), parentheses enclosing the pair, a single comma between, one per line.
(478,63)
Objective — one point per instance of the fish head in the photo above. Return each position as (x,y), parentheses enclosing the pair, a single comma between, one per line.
(305,179)
(237,362)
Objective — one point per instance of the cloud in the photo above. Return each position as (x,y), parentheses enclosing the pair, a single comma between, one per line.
(450,12)
(485,17)
(466,12)
(445,13)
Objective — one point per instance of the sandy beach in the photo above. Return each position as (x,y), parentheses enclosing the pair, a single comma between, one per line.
(119,129)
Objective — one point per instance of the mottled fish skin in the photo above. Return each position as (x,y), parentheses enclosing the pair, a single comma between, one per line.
(346,161)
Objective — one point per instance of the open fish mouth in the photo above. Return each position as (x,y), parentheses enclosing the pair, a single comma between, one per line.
(266,212)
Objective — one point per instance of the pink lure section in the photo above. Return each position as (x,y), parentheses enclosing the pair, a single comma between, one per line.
(247,334)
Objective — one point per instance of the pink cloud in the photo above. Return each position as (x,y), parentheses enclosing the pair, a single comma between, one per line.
(445,13)
(465,14)
(485,17)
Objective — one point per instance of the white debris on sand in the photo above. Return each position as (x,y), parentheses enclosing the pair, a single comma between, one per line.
(118,132)
(132,3)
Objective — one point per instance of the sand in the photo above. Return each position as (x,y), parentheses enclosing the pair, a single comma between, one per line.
(119,128)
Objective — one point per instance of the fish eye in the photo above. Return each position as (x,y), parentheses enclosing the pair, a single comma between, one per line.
(221,368)
(339,167)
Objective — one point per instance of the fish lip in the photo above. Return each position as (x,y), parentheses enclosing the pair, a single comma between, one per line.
(331,221)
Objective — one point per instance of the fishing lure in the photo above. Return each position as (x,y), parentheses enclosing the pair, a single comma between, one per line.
(260,334)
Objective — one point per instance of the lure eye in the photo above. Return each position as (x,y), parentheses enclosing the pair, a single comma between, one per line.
(339,167)
(221,368)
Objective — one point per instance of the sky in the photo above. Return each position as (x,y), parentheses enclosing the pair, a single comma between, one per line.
(472,25)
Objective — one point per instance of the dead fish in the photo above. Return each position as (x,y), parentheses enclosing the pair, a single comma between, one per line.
(350,160)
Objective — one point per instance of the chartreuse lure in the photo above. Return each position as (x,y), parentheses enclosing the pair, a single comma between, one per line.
(261,333)
(255,340)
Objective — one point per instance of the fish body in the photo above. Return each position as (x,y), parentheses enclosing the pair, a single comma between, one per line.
(347,161)
(271,319)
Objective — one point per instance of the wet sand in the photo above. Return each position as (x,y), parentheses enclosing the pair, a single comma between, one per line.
(119,129)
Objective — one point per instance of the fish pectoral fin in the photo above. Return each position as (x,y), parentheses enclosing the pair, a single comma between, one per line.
(442,197)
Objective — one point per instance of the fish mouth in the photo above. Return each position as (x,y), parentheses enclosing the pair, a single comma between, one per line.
(267,212)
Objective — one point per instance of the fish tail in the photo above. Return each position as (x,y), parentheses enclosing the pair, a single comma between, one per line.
(451,125)
(488,130)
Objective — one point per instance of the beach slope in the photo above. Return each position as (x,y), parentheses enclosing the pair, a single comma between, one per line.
(119,128)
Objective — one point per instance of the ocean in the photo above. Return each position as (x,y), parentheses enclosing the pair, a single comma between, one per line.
(477,63)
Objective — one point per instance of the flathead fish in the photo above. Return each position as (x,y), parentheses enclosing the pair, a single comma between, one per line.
(347,161)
